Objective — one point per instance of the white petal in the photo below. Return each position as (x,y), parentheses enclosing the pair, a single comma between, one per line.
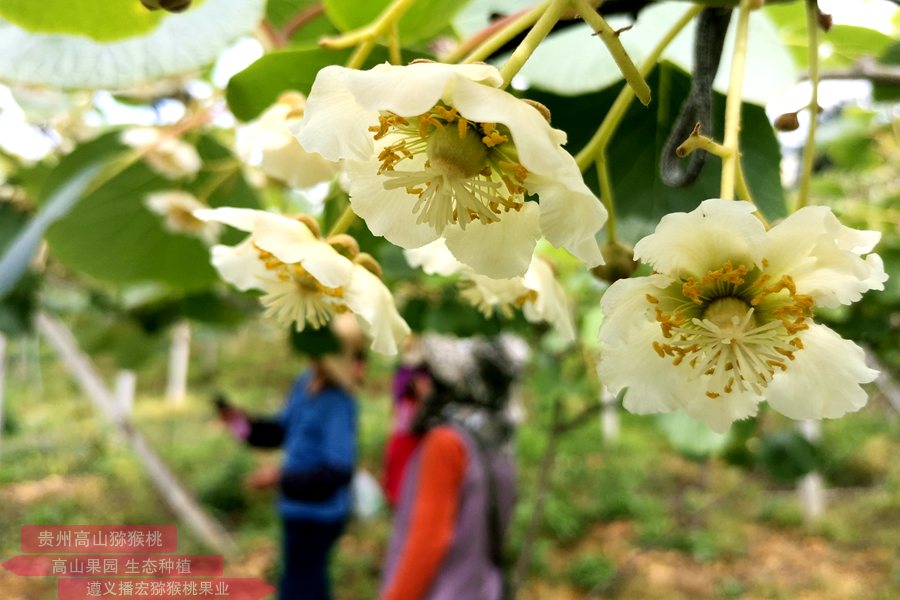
(335,124)
(388,213)
(239,218)
(625,306)
(652,382)
(324,263)
(343,102)
(495,292)
(499,250)
(824,379)
(719,413)
(434,258)
(571,215)
(240,266)
(374,306)
(823,256)
(692,244)
(537,143)
(552,304)
(295,166)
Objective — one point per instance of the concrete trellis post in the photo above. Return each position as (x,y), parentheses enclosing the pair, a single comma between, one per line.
(609,417)
(179,357)
(126,384)
(811,488)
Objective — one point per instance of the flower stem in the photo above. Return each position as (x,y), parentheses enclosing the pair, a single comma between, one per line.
(700,142)
(359,56)
(606,194)
(809,150)
(343,223)
(489,41)
(541,29)
(366,37)
(733,103)
(394,51)
(215,180)
(610,37)
(616,113)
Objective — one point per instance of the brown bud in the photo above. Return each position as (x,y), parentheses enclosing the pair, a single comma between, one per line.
(311,223)
(368,261)
(545,112)
(787,122)
(174,6)
(417,61)
(825,20)
(345,244)
(620,263)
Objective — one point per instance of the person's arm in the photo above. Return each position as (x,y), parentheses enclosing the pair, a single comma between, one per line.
(339,455)
(431,527)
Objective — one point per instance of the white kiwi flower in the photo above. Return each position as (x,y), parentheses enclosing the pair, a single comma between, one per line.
(177,208)
(438,151)
(537,293)
(305,280)
(267,144)
(726,319)
(167,155)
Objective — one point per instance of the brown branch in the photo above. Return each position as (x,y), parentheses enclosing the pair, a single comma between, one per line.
(869,69)
(301,19)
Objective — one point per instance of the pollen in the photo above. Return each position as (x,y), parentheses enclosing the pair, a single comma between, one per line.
(456,171)
(735,327)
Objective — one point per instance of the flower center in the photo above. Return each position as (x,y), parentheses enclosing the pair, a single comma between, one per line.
(303,299)
(727,314)
(458,171)
(456,154)
(732,327)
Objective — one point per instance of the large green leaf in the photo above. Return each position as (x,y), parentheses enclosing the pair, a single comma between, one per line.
(846,43)
(120,19)
(112,236)
(19,251)
(114,44)
(641,196)
(424,19)
(255,88)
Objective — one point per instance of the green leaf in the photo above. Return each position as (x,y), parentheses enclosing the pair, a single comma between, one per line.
(850,43)
(19,251)
(258,86)
(314,342)
(119,20)
(114,44)
(18,305)
(787,456)
(690,438)
(118,337)
(633,155)
(422,21)
(111,235)
(887,92)
(846,43)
